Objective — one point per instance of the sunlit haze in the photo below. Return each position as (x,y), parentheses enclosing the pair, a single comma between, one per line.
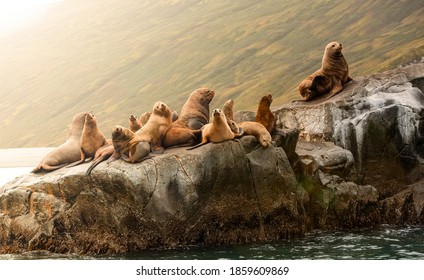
(16,14)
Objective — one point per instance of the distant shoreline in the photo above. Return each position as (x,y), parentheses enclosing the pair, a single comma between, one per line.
(22,157)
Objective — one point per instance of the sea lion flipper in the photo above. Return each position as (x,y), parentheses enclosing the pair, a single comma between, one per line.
(196,146)
(96,162)
(316,82)
(126,158)
(158,150)
(45,167)
(240,133)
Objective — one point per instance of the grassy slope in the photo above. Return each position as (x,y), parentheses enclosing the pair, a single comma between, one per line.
(117,57)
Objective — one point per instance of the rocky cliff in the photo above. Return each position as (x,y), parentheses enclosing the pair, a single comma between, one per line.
(355,160)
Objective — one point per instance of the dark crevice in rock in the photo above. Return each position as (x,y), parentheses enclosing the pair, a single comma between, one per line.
(418,83)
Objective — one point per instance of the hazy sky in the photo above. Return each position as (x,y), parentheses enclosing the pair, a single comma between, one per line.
(15,14)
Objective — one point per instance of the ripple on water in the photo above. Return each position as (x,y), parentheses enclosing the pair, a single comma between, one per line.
(378,244)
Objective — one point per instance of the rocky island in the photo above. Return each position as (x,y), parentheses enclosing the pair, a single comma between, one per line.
(352,161)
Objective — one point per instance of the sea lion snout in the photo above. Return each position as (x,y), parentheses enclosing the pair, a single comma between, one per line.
(116,129)
(216,112)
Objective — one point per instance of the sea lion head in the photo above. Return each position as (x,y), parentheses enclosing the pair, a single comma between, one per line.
(133,118)
(218,115)
(120,133)
(90,119)
(233,126)
(204,95)
(161,109)
(266,100)
(265,140)
(333,48)
(144,118)
(77,125)
(229,103)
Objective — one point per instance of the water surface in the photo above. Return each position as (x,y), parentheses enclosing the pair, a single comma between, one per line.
(369,244)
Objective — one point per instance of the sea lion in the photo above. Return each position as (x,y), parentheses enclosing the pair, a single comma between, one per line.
(174,116)
(66,153)
(158,124)
(264,115)
(217,131)
(228,109)
(144,118)
(330,78)
(134,123)
(102,154)
(185,131)
(259,131)
(233,126)
(128,146)
(91,139)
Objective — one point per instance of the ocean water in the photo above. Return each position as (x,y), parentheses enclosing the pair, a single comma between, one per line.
(10,173)
(369,244)
(384,243)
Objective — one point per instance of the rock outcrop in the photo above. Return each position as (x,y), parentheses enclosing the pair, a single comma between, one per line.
(217,194)
(355,160)
(378,118)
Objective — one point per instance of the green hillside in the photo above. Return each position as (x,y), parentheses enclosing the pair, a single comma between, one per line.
(117,57)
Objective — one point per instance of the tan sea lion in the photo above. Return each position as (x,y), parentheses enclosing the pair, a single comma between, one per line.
(264,115)
(185,131)
(217,131)
(134,123)
(158,124)
(144,118)
(233,126)
(259,131)
(330,78)
(66,153)
(91,139)
(228,109)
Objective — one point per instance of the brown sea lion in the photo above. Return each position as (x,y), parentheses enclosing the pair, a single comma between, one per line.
(66,153)
(158,124)
(134,123)
(217,131)
(330,78)
(259,131)
(91,139)
(185,131)
(264,115)
(144,118)
(127,146)
(228,109)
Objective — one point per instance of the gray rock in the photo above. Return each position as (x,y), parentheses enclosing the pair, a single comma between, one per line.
(223,193)
(378,118)
(327,157)
(244,116)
